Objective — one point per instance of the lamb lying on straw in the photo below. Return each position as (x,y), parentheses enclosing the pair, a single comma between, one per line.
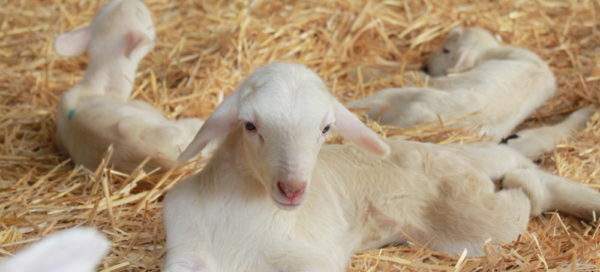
(273,198)
(96,113)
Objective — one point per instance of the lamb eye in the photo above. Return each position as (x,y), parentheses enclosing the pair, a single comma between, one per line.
(326,128)
(445,51)
(249,126)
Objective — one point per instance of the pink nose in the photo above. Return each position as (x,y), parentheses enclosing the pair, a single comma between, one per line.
(291,189)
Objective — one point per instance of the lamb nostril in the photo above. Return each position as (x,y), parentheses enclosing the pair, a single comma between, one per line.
(425,69)
(291,190)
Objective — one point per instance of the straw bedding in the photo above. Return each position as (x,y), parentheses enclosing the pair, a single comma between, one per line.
(205,48)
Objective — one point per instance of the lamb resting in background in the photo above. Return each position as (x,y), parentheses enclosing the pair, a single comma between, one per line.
(273,198)
(496,88)
(96,112)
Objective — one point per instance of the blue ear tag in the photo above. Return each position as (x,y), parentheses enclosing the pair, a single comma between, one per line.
(70,114)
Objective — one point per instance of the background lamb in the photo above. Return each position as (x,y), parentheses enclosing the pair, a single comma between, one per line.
(96,112)
(497,88)
(292,205)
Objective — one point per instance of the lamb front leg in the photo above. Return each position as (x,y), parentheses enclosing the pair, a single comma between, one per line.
(312,256)
(182,246)
(179,261)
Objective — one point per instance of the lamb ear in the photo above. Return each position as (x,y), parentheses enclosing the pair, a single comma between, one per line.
(73,250)
(73,43)
(135,41)
(455,32)
(218,125)
(352,129)
(466,60)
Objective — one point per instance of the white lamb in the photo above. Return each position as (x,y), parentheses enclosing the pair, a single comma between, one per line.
(273,198)
(496,88)
(96,112)
(72,250)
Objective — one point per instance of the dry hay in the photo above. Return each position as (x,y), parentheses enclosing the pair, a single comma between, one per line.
(203,51)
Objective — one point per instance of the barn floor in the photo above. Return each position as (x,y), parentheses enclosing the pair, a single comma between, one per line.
(202,53)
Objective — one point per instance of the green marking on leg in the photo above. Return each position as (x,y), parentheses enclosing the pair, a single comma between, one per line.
(70,114)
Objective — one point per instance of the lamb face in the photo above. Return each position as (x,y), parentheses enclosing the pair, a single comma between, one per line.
(285,111)
(280,138)
(460,51)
